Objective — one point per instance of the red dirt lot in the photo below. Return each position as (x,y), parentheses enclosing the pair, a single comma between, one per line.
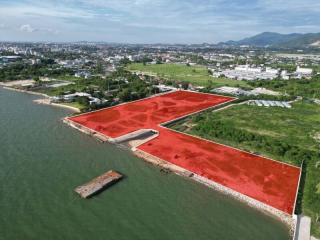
(265,180)
(147,113)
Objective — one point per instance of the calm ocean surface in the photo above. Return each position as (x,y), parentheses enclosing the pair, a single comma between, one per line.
(42,160)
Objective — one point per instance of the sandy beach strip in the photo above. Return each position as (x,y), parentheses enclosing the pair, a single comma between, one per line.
(46,101)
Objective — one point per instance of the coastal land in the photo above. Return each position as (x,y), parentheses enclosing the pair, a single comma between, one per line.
(44,144)
(87,124)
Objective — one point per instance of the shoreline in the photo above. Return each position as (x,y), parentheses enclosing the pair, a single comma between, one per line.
(288,220)
(47,101)
(43,101)
(24,91)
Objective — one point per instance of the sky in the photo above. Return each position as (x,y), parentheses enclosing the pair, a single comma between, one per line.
(153,21)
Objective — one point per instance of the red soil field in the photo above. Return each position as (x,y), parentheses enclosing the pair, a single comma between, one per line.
(147,113)
(265,180)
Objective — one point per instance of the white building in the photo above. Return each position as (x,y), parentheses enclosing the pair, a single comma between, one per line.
(84,74)
(304,71)
(272,70)
(245,72)
(231,90)
(70,97)
(164,88)
(93,100)
(284,75)
(240,92)
(247,68)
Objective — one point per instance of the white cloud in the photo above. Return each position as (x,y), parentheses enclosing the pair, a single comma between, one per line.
(157,20)
(27,28)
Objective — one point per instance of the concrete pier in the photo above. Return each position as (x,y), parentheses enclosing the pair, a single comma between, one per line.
(98,184)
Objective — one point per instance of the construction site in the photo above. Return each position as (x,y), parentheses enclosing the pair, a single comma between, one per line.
(265,184)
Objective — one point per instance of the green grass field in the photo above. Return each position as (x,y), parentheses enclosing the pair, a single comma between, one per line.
(193,74)
(297,126)
(288,135)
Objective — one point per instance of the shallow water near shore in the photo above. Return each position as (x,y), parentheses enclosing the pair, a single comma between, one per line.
(42,160)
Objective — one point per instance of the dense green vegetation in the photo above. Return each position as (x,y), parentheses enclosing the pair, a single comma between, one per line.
(193,74)
(121,85)
(290,135)
(21,71)
(309,88)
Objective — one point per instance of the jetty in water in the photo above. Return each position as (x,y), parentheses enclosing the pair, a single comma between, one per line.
(98,184)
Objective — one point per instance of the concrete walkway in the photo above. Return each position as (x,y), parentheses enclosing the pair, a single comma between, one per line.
(303,228)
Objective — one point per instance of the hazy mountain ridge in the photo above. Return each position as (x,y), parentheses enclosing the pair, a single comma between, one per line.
(271,39)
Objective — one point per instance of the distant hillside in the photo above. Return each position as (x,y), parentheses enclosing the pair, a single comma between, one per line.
(271,39)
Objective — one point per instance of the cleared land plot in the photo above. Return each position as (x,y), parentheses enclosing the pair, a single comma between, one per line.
(289,135)
(147,113)
(193,74)
(265,180)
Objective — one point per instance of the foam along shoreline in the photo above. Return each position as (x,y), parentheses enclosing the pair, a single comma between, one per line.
(289,220)
(44,101)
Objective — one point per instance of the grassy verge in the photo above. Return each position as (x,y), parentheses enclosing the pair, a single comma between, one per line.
(75,105)
(288,135)
(193,74)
